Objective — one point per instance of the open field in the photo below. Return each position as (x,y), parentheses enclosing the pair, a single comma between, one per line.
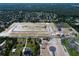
(29,30)
(29,27)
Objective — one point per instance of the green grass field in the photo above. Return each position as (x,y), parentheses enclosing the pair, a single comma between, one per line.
(34,46)
(19,47)
(72,51)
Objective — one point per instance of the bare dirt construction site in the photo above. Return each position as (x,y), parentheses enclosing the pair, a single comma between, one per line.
(37,30)
(29,30)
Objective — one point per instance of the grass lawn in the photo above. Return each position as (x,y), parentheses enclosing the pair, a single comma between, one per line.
(72,51)
(77,37)
(34,46)
(65,42)
(65,25)
(19,47)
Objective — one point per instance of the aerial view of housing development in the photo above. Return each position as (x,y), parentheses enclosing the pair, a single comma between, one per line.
(39,29)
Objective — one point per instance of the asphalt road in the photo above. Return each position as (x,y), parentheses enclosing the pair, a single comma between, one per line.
(57,48)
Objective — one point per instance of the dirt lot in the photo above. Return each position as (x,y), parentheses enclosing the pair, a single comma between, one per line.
(30,29)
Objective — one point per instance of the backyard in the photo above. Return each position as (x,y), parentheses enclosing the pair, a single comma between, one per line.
(32,43)
(72,51)
(18,46)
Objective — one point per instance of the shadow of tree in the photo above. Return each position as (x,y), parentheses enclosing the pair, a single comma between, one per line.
(52,49)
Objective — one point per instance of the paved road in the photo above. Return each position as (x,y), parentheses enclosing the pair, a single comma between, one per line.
(44,49)
(59,49)
(55,44)
(25,45)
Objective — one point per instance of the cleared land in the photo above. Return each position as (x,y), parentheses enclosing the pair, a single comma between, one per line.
(29,30)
